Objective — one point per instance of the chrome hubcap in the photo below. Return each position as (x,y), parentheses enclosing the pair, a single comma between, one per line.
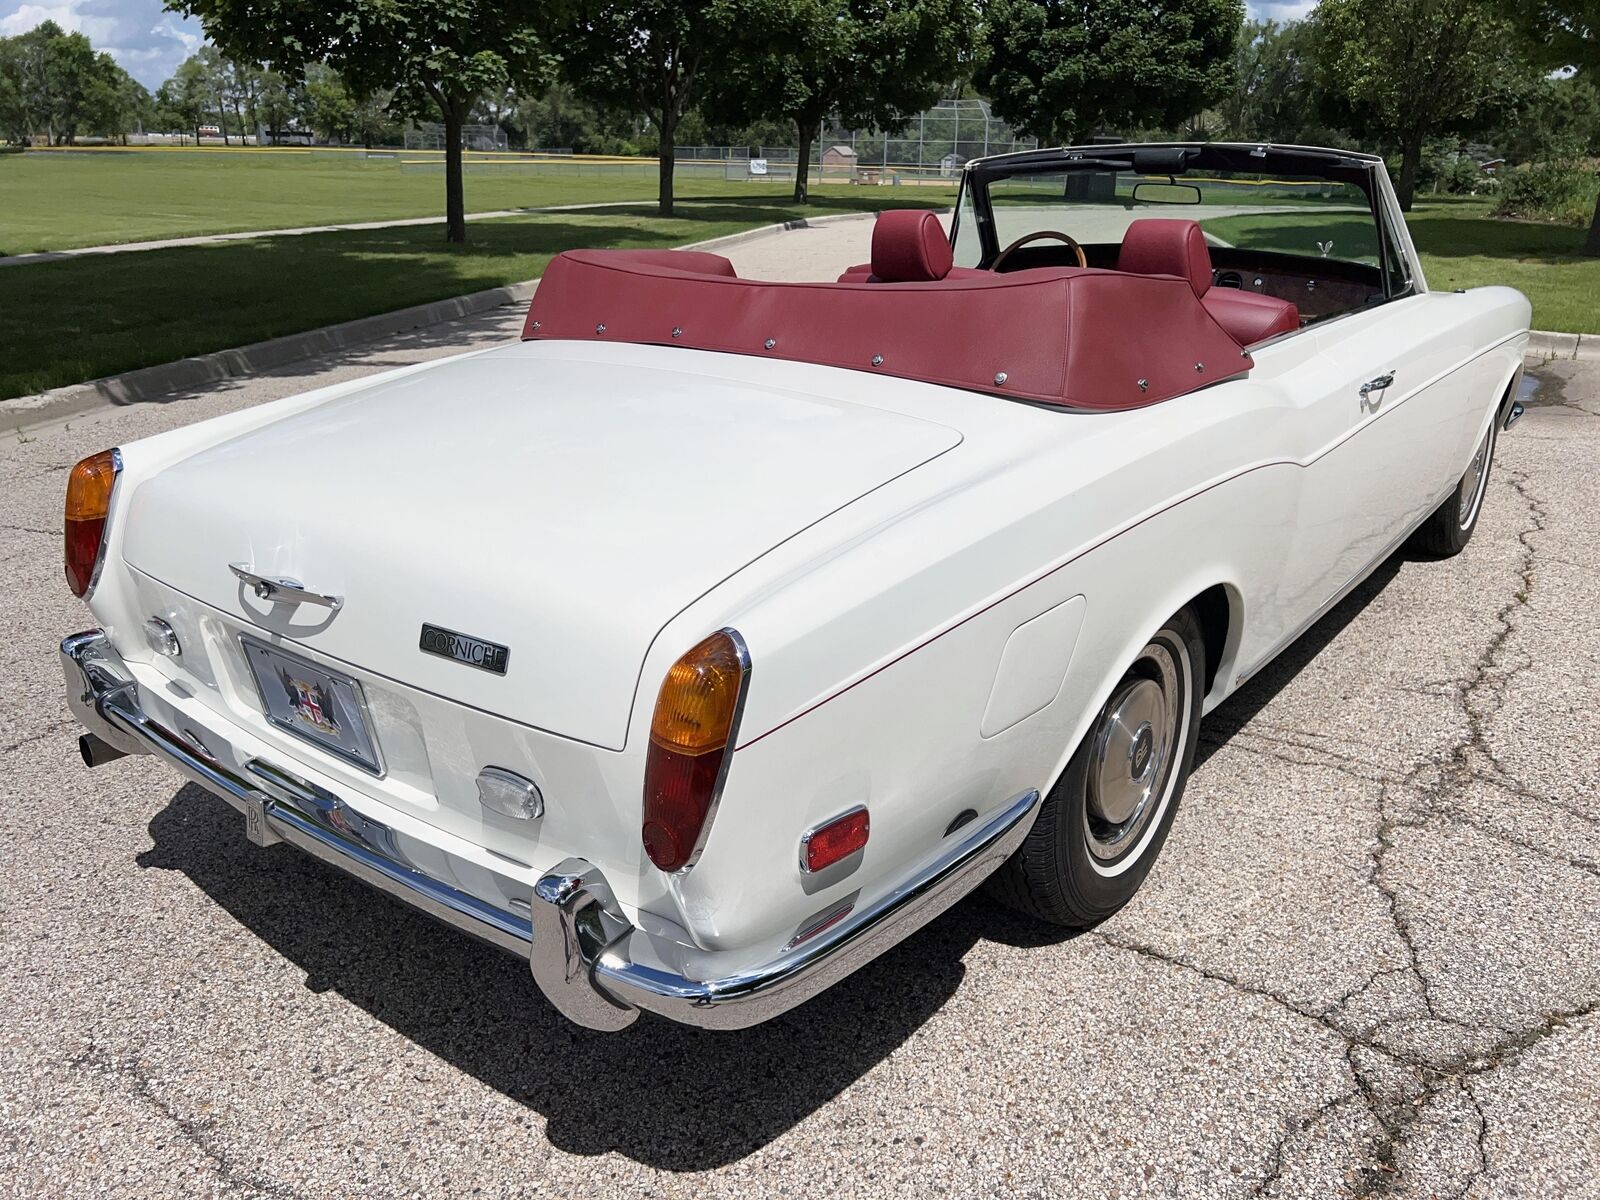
(1472,486)
(1132,753)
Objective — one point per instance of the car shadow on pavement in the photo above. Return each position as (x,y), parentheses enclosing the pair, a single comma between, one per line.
(662,1094)
(665,1095)
(1240,709)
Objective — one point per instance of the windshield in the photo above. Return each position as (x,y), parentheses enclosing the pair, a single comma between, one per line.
(1282,214)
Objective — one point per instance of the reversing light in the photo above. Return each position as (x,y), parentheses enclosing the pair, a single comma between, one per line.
(834,841)
(691,738)
(88,504)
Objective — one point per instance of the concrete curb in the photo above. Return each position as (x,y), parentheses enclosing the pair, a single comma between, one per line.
(1544,345)
(150,383)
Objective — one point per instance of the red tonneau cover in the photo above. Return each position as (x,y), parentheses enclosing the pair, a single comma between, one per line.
(1079,338)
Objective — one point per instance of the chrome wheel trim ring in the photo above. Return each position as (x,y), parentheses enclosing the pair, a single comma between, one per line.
(1135,746)
(1475,482)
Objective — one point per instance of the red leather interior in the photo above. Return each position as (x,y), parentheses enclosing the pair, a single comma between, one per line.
(1250,317)
(1160,246)
(699,262)
(909,246)
(1081,338)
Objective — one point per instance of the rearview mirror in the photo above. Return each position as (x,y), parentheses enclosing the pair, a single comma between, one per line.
(1166,193)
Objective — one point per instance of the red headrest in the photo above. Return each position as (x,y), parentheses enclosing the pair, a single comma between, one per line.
(909,246)
(1167,247)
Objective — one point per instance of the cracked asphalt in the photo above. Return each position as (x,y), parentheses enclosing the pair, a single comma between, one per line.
(1367,964)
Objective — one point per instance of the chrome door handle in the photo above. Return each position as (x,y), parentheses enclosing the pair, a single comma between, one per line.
(284,591)
(1376,385)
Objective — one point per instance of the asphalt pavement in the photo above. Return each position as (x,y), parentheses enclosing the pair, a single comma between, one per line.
(1367,963)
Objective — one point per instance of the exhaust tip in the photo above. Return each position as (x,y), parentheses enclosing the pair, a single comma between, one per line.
(97,752)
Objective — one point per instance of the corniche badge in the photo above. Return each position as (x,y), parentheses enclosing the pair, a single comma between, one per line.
(475,652)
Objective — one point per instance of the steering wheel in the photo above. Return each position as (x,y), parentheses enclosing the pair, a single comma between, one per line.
(1026,238)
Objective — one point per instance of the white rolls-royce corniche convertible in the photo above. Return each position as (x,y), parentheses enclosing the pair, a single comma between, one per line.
(720,633)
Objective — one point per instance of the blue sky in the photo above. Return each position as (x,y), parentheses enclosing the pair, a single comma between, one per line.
(147,41)
(150,43)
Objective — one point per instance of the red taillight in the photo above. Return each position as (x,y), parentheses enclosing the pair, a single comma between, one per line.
(691,736)
(835,841)
(88,504)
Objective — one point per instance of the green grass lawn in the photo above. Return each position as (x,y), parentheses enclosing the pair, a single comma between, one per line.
(1461,247)
(67,321)
(52,200)
(64,322)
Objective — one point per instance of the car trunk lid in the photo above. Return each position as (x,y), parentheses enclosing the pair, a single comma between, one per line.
(561,507)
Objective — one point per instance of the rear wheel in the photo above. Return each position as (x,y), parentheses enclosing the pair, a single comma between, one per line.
(1448,530)
(1105,821)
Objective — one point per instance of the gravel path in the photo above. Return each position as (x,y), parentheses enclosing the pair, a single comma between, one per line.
(1368,962)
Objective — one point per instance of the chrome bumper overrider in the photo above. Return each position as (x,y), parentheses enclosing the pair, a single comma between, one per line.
(593,964)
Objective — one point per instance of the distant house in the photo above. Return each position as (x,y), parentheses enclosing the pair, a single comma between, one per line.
(839,156)
(1490,166)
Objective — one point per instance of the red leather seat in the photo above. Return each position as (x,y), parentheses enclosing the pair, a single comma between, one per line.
(1161,246)
(695,262)
(908,246)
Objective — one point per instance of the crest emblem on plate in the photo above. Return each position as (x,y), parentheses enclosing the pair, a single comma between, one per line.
(311,702)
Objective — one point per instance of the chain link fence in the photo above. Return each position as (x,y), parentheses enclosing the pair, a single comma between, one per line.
(934,144)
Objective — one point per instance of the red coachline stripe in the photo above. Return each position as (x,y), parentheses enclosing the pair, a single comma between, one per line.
(1017,591)
(1103,541)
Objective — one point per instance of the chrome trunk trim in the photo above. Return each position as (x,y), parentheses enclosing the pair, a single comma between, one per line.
(588,958)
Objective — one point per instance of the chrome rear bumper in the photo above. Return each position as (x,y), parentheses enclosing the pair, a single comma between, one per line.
(592,963)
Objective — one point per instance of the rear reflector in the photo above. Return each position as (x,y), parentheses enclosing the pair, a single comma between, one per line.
(691,737)
(835,841)
(88,504)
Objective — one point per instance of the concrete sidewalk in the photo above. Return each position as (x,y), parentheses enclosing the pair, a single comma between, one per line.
(43,256)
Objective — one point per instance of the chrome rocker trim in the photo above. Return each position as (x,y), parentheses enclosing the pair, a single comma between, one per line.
(590,961)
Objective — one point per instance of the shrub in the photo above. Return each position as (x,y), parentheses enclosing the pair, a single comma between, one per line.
(1556,190)
(1463,177)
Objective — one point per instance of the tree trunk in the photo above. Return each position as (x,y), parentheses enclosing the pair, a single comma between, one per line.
(1410,164)
(1591,244)
(455,203)
(666,153)
(807,132)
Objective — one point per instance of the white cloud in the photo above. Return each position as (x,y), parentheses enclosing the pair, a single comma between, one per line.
(1279,10)
(147,41)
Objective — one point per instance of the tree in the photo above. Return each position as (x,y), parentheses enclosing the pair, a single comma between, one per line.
(1063,73)
(211,77)
(1563,34)
(871,63)
(1411,69)
(436,55)
(653,56)
(53,82)
(277,103)
(15,121)
(1272,80)
(185,98)
(113,100)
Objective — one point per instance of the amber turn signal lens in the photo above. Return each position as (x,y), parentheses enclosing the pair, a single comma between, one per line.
(88,504)
(690,735)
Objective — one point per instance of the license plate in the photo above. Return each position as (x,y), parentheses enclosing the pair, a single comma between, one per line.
(327,709)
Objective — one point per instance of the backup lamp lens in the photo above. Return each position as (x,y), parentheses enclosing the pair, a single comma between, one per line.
(690,735)
(89,487)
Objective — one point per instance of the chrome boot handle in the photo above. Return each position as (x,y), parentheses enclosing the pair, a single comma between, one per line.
(1377,385)
(283,591)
